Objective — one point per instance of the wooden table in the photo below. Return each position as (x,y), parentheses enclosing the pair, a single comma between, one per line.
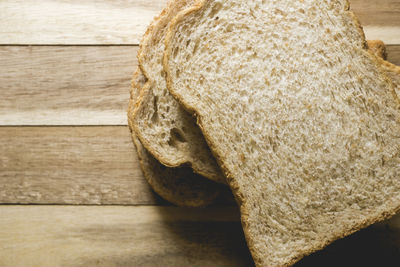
(70,183)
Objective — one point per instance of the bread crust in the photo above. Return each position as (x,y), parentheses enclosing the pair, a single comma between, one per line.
(377,48)
(389,66)
(148,36)
(392,208)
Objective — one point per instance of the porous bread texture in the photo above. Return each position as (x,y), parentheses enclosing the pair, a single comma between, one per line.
(393,72)
(305,126)
(176,188)
(160,121)
(163,126)
(149,109)
(179,186)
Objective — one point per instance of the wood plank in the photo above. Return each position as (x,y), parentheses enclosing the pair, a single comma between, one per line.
(65,85)
(120,236)
(75,165)
(71,165)
(124,22)
(160,236)
(388,34)
(384,13)
(77,85)
(76,22)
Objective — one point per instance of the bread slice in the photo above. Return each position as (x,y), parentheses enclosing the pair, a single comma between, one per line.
(179,186)
(175,188)
(162,125)
(178,189)
(305,126)
(167,130)
(160,122)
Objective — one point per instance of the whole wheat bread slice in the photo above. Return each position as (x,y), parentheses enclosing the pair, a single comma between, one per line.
(305,126)
(180,194)
(179,186)
(175,188)
(162,125)
(160,121)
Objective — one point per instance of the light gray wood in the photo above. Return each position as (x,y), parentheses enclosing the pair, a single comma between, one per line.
(124,22)
(70,165)
(65,85)
(159,236)
(72,85)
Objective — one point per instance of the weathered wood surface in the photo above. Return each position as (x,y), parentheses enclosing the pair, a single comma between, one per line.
(377,12)
(88,85)
(76,22)
(124,22)
(160,236)
(72,85)
(65,85)
(75,165)
(120,236)
(380,19)
(71,165)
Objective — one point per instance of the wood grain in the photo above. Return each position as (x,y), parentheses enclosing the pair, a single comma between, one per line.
(70,165)
(76,22)
(72,85)
(65,85)
(124,22)
(97,165)
(159,236)
(120,236)
(384,13)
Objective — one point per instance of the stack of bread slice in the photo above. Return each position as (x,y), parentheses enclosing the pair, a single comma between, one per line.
(302,121)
